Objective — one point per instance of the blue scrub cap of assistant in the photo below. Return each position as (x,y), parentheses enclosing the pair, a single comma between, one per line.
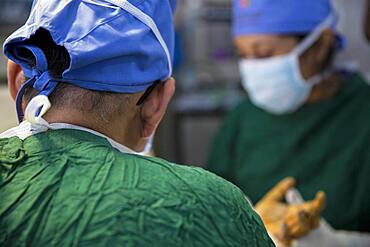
(121,46)
(278,16)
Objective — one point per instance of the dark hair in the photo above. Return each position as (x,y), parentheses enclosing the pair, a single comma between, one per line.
(66,96)
(56,55)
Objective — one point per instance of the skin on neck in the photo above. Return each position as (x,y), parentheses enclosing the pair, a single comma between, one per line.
(327,89)
(124,129)
(312,62)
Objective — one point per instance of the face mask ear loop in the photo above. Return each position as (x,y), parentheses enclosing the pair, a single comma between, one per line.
(314,35)
(40,104)
(37,107)
(309,41)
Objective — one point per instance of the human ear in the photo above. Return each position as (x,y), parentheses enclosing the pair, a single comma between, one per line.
(15,78)
(324,47)
(155,106)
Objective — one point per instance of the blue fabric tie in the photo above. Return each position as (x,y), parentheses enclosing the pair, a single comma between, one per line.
(39,78)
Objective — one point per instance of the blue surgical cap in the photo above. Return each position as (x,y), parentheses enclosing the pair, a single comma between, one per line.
(121,46)
(278,16)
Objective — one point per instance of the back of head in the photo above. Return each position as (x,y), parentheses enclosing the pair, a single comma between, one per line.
(103,46)
(66,97)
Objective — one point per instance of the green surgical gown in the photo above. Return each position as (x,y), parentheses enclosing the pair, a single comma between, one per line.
(325,146)
(71,188)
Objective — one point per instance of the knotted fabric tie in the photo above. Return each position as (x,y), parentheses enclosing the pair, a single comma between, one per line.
(39,79)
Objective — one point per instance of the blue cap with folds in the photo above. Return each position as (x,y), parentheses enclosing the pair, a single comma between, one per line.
(121,46)
(278,16)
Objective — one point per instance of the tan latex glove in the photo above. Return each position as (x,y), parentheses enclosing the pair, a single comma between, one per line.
(288,222)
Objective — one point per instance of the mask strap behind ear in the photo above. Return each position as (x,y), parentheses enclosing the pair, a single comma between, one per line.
(315,35)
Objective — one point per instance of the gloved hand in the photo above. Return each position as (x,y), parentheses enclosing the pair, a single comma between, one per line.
(325,235)
(288,222)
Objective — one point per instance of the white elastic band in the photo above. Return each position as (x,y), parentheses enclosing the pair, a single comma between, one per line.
(316,79)
(315,34)
(33,9)
(148,21)
(148,147)
(31,114)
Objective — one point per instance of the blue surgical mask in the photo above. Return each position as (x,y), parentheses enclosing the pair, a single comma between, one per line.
(276,84)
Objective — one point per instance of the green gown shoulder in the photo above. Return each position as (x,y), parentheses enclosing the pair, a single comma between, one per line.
(71,188)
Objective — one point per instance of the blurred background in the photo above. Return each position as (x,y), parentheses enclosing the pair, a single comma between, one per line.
(13,13)
(208,83)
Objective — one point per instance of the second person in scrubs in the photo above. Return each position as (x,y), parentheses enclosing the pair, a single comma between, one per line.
(303,117)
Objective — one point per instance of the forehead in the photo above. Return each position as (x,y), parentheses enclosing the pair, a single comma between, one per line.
(271,40)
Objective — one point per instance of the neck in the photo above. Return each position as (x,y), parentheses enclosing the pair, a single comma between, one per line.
(117,129)
(327,89)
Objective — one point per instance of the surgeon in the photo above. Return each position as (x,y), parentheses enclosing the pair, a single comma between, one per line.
(91,81)
(302,116)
